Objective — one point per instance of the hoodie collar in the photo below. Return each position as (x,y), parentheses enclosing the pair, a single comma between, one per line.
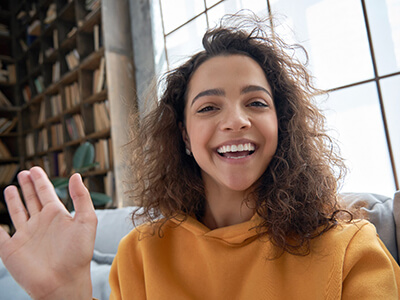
(234,235)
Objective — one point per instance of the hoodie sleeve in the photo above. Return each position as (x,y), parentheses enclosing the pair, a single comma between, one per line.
(369,270)
(126,275)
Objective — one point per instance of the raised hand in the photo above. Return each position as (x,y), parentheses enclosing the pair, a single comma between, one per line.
(50,253)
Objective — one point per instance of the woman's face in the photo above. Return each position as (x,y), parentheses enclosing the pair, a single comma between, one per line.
(231,123)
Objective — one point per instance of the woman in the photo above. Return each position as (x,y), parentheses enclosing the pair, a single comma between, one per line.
(235,159)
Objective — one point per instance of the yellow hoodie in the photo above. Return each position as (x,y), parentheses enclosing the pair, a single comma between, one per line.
(191,261)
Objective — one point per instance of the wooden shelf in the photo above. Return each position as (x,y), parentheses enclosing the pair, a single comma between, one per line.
(47,121)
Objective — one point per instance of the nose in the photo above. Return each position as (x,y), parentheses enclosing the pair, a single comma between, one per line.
(235,119)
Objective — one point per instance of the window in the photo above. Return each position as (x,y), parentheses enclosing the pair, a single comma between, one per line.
(354,51)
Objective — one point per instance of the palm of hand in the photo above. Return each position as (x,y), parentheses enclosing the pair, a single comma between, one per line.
(50,247)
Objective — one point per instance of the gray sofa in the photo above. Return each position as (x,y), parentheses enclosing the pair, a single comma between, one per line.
(382,211)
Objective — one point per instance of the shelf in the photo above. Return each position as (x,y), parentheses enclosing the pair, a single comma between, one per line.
(95,173)
(94,17)
(6,58)
(91,62)
(68,12)
(99,134)
(9,160)
(96,97)
(6,83)
(9,135)
(53,135)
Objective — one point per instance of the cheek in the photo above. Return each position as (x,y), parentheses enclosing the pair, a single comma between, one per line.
(200,135)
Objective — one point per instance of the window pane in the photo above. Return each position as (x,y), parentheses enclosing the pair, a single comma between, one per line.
(391,96)
(158,38)
(384,21)
(354,116)
(334,34)
(177,12)
(210,3)
(186,41)
(259,7)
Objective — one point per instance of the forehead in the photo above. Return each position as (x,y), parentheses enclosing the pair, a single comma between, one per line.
(234,70)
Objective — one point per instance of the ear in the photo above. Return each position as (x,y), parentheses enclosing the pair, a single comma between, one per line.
(185,136)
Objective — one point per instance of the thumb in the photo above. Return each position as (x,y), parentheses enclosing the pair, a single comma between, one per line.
(80,197)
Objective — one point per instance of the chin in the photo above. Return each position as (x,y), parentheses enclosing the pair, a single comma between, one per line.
(240,186)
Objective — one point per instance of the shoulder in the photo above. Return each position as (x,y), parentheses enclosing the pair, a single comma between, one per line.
(344,233)
(353,242)
(149,232)
(349,240)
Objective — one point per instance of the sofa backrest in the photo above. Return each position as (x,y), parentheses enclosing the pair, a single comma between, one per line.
(383,212)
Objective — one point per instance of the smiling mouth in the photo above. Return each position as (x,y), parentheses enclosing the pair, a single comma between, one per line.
(236,151)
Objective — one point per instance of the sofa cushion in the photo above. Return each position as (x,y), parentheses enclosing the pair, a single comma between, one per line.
(113,225)
(378,209)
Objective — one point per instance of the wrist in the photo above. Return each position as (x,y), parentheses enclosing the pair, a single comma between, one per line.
(80,288)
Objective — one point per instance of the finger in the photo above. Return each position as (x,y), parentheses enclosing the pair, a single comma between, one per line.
(16,208)
(81,198)
(28,190)
(43,187)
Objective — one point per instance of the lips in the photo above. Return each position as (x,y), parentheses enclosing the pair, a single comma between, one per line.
(236,151)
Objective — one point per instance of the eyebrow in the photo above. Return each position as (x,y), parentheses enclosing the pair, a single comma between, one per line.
(221,92)
(254,88)
(210,92)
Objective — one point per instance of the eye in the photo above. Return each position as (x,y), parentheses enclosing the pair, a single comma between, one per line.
(207,109)
(258,103)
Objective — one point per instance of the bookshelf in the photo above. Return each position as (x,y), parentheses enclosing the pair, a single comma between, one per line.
(59,95)
(9,110)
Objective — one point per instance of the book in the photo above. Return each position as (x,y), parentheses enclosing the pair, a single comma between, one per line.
(97,38)
(92,4)
(72,96)
(23,45)
(8,173)
(4,101)
(56,71)
(51,14)
(62,166)
(102,155)
(72,32)
(72,59)
(49,51)
(30,144)
(4,152)
(43,141)
(55,39)
(34,28)
(4,30)
(26,93)
(42,112)
(75,127)
(99,77)
(39,84)
(56,105)
(101,116)
(57,136)
(8,125)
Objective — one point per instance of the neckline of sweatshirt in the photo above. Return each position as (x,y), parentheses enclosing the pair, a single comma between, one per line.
(233,234)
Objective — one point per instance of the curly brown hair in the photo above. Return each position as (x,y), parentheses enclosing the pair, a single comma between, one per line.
(296,195)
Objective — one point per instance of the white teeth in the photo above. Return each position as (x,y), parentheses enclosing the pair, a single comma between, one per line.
(236,148)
